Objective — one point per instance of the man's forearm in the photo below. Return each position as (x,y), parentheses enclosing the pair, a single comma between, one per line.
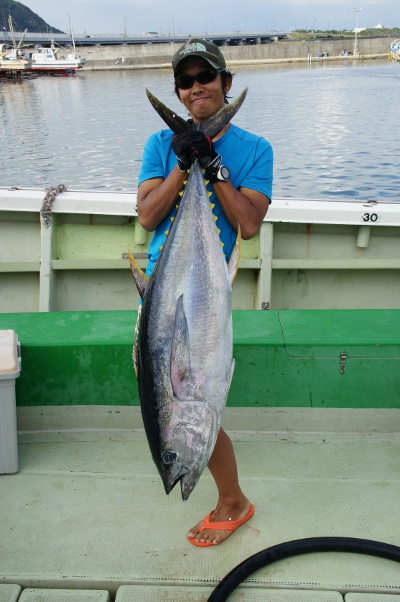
(157,197)
(244,206)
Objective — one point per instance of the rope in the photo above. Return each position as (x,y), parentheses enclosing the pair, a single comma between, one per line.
(48,201)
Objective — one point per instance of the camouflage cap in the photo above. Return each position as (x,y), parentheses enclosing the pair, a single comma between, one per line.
(201,48)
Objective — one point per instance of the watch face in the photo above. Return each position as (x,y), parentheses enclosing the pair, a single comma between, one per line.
(224,171)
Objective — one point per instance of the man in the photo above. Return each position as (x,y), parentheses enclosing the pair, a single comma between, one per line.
(241,192)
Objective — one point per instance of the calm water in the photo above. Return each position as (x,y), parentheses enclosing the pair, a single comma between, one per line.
(334,128)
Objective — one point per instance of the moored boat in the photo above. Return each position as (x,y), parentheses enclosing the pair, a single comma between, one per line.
(46,60)
(12,61)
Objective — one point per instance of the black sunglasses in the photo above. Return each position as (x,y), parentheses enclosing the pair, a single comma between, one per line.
(184,82)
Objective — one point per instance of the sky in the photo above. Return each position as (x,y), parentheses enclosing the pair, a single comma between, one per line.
(178,16)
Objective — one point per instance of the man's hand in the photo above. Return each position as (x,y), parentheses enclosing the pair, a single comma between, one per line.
(191,145)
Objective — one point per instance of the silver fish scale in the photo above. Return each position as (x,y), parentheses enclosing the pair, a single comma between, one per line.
(192,265)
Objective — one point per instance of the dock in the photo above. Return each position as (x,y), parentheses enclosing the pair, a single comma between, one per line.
(14,68)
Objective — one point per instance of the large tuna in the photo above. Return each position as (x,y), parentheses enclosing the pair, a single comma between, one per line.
(185,363)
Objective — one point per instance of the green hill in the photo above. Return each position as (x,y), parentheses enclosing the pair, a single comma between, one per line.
(23,18)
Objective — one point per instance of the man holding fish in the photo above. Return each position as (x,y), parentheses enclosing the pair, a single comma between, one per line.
(238,172)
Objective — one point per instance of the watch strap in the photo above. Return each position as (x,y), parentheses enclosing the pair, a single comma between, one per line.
(213,170)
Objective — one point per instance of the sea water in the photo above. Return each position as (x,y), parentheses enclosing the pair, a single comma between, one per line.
(333,127)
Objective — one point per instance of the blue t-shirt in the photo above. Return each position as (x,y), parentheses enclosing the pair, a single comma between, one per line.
(250,162)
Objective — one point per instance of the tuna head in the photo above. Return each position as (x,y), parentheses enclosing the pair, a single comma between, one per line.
(188,434)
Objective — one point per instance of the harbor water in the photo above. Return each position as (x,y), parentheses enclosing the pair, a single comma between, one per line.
(333,127)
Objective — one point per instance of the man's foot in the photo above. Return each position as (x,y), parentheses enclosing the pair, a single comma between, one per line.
(219,525)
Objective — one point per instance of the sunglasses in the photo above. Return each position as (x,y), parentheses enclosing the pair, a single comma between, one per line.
(184,82)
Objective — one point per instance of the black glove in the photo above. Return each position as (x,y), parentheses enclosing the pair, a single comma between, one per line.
(191,145)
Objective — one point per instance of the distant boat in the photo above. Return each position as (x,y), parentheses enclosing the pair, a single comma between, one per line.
(8,53)
(40,59)
(12,58)
(12,62)
(46,60)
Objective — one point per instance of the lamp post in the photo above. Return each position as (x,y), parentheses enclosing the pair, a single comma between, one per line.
(355,50)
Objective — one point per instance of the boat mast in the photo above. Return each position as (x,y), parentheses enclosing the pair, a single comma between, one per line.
(10,23)
(72,34)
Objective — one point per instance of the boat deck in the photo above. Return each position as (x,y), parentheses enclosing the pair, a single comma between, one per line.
(87,510)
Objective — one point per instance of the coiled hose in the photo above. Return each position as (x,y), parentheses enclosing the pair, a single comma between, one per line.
(294,548)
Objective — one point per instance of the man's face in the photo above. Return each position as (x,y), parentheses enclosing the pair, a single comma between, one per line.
(202,101)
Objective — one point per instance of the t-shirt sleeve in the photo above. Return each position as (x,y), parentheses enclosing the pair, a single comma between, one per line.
(152,163)
(260,176)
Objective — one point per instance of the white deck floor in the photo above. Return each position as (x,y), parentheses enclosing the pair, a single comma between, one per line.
(87,510)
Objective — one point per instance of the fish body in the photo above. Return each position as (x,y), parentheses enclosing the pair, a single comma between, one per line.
(185,342)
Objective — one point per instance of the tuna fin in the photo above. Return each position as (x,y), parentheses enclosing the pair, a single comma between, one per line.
(173,121)
(180,353)
(139,276)
(233,264)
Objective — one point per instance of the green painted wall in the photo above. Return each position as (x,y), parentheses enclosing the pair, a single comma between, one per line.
(287,358)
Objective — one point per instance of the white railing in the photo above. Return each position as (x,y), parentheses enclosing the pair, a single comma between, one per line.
(290,210)
(299,236)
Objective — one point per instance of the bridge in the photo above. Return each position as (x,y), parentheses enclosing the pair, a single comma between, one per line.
(235,38)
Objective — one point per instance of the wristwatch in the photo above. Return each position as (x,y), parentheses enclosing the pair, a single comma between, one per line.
(223,174)
(216,172)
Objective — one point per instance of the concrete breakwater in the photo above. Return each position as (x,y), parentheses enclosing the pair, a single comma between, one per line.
(152,56)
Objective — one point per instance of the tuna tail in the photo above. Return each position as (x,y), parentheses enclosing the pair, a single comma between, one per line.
(173,121)
(214,125)
(139,276)
(210,127)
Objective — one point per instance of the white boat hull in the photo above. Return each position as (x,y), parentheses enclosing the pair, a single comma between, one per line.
(45,59)
(56,67)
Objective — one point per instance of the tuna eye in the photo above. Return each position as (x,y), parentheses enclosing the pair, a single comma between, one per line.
(169,458)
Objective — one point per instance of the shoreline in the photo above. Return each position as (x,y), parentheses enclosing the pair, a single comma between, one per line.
(249,62)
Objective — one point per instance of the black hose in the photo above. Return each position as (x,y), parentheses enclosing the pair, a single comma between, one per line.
(300,546)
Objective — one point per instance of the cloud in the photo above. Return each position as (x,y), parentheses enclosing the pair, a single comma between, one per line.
(101,16)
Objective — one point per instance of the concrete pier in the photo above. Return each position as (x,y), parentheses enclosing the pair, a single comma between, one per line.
(150,56)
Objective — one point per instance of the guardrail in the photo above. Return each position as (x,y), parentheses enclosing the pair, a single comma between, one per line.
(227,38)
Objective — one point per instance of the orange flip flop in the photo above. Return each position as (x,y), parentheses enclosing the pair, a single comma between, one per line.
(230,525)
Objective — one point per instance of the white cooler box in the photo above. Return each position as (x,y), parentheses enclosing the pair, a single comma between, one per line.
(10,367)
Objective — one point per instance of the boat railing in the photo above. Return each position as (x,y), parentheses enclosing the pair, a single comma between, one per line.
(309,253)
